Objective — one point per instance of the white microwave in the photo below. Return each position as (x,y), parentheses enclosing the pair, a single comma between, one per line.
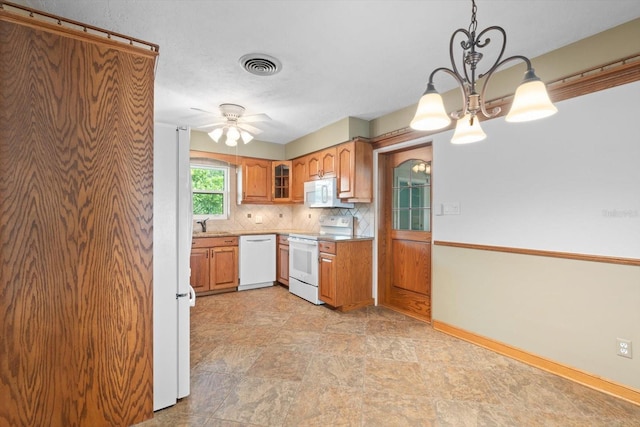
(322,193)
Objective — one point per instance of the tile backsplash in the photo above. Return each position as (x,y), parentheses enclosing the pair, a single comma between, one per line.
(288,217)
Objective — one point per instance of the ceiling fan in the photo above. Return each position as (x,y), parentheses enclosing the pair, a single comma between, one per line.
(232,125)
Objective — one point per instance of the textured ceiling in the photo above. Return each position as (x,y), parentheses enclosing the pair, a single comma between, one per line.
(340,58)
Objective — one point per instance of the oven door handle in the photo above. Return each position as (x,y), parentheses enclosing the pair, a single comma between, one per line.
(302,242)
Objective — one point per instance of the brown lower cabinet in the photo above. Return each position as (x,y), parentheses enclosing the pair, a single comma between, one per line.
(344,274)
(214,264)
(282,259)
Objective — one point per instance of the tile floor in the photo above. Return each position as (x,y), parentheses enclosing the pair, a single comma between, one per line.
(267,358)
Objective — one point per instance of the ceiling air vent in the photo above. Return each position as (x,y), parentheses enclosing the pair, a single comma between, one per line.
(260,64)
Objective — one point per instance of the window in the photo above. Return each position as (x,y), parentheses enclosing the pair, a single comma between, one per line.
(210,186)
(412,196)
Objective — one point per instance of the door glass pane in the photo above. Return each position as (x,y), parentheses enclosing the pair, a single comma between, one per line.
(411,199)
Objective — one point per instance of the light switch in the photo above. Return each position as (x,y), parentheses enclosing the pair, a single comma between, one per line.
(451,208)
(258,219)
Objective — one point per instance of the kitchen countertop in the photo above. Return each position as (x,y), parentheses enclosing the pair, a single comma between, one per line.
(217,233)
(200,234)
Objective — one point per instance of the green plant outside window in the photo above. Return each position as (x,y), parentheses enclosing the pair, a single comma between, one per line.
(210,191)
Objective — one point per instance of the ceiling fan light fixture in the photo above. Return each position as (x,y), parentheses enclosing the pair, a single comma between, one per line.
(233,133)
(246,136)
(216,134)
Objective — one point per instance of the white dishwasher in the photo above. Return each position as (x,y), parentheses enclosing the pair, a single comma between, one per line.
(257,261)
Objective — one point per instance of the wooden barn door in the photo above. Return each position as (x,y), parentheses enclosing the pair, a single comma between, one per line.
(76,178)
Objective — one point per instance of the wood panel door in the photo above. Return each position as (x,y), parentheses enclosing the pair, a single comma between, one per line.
(281,177)
(327,279)
(355,171)
(322,164)
(283,263)
(298,177)
(199,264)
(76,220)
(405,244)
(223,269)
(256,181)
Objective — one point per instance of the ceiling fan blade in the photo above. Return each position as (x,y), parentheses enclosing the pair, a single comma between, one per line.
(254,118)
(209,127)
(216,123)
(206,111)
(251,129)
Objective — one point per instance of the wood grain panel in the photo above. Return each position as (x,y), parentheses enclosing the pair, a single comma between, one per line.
(404,256)
(298,176)
(223,268)
(282,260)
(353,271)
(327,279)
(412,266)
(76,172)
(199,265)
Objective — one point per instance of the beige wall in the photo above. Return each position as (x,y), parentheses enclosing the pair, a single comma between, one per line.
(565,310)
(336,133)
(265,150)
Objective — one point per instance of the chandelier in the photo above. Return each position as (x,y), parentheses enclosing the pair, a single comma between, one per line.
(231,134)
(531,100)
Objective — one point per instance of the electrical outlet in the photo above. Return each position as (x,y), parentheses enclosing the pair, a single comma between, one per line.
(624,347)
(258,219)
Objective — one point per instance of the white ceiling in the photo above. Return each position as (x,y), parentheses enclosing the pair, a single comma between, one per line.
(359,58)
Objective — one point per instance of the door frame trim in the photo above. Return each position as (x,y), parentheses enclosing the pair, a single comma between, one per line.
(410,143)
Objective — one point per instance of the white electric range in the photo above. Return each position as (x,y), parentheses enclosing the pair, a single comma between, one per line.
(303,254)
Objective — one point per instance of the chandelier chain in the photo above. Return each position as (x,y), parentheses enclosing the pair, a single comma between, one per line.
(473,26)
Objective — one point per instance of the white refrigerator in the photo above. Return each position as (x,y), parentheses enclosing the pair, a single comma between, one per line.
(172,294)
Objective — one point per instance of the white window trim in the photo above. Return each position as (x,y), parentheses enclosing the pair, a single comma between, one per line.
(225,193)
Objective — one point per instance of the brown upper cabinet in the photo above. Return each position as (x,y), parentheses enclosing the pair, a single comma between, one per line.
(355,165)
(321,164)
(298,176)
(281,182)
(254,181)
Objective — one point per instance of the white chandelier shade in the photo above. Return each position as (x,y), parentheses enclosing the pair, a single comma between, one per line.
(531,100)
(431,114)
(468,130)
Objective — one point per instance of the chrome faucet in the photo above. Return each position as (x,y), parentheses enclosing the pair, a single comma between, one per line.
(203,224)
